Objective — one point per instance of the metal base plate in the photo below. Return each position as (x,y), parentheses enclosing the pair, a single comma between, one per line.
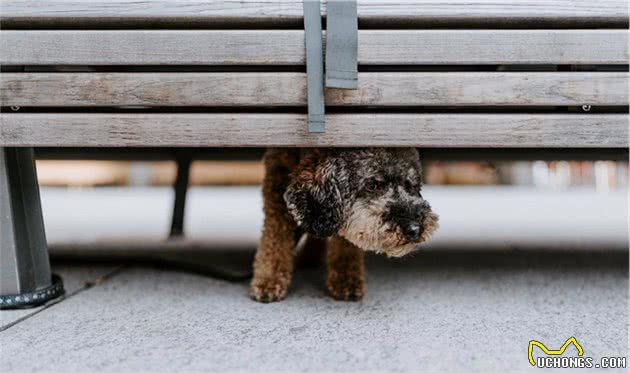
(35,298)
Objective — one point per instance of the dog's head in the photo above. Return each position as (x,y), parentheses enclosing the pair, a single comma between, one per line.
(372,197)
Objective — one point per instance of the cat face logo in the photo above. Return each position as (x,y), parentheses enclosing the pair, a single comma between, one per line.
(547,351)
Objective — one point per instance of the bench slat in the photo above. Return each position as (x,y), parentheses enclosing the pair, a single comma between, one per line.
(286,47)
(221,13)
(289,89)
(423,130)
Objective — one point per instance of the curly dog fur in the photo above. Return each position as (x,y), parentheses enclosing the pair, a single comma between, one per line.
(348,200)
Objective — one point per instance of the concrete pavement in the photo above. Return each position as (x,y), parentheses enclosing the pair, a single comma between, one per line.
(435,311)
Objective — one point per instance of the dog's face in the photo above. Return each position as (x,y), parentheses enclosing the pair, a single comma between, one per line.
(372,197)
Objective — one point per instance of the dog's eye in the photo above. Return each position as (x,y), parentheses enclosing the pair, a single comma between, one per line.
(373,185)
(409,185)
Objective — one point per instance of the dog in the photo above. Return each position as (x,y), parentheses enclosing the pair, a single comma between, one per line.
(348,200)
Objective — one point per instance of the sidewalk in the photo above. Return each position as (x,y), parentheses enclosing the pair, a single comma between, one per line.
(465,311)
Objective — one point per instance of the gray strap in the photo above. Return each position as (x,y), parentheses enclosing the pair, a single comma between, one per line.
(314,65)
(341,44)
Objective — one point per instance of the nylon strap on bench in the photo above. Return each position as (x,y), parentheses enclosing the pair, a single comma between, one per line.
(314,66)
(341,44)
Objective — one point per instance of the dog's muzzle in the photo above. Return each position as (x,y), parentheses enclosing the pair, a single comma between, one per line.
(409,218)
(412,231)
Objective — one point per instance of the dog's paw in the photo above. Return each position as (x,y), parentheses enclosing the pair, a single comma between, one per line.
(346,288)
(268,290)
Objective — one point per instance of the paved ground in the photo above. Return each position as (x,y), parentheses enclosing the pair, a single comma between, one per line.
(455,311)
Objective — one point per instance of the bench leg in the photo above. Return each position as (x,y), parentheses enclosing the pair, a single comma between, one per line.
(25,276)
(181,189)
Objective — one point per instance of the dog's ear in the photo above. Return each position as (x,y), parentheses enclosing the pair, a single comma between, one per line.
(313,197)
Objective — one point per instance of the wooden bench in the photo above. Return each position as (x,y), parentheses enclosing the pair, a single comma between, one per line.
(443,74)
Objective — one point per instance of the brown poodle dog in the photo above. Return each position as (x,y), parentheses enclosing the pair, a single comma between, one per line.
(357,199)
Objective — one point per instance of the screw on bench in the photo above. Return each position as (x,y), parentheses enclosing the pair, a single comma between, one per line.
(586,108)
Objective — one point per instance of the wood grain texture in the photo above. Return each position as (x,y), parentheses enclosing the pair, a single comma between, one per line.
(220,13)
(286,47)
(423,130)
(289,89)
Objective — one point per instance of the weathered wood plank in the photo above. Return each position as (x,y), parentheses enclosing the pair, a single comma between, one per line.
(289,89)
(221,13)
(423,130)
(253,153)
(286,47)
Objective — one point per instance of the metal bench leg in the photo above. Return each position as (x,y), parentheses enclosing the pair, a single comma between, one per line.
(25,276)
(181,189)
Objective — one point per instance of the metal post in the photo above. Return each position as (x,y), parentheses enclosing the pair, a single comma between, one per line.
(25,276)
(181,189)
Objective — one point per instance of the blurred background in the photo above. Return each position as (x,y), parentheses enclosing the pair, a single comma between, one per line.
(483,205)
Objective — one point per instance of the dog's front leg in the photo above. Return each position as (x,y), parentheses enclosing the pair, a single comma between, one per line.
(273,265)
(346,270)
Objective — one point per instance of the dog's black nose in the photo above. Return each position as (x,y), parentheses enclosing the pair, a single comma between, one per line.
(412,231)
